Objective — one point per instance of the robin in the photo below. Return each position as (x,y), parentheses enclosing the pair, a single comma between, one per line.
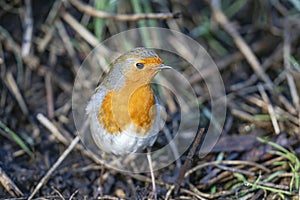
(123,112)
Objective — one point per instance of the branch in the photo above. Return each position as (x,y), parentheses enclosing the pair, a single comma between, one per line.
(121,17)
(188,159)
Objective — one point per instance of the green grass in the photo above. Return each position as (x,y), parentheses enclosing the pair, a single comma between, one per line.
(16,138)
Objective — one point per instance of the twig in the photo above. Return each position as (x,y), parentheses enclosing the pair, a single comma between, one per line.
(188,159)
(235,170)
(121,17)
(56,164)
(9,185)
(270,108)
(28,28)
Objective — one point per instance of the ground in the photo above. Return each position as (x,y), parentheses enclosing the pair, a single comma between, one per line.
(255,45)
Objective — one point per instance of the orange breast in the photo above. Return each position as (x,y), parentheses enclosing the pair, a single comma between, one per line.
(106,116)
(141,107)
(120,109)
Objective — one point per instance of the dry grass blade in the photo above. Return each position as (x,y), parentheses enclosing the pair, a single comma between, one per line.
(242,115)
(9,185)
(45,40)
(12,85)
(279,110)
(235,170)
(58,193)
(193,194)
(270,109)
(108,197)
(49,94)
(81,30)
(52,128)
(54,167)
(226,162)
(68,44)
(14,48)
(48,29)
(27,36)
(57,134)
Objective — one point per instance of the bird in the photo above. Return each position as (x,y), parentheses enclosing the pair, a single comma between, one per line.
(124,112)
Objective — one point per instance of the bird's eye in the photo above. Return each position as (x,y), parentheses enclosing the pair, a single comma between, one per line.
(139,65)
